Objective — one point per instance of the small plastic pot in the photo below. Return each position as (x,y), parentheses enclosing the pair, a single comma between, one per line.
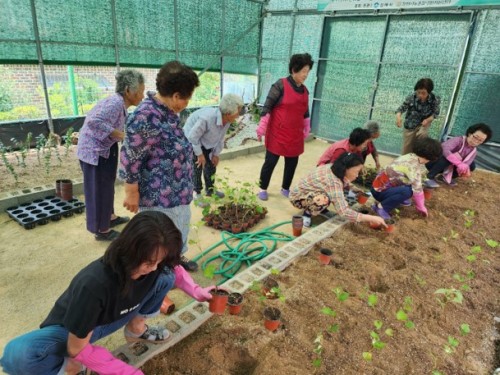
(427,194)
(374,226)
(325,256)
(297,225)
(234,303)
(167,306)
(218,303)
(363,198)
(391,225)
(272,317)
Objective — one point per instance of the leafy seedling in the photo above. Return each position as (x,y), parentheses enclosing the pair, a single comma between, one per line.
(475,249)
(492,243)
(451,346)
(377,343)
(334,328)
(420,280)
(209,271)
(318,350)
(372,300)
(341,294)
(464,329)
(328,311)
(378,324)
(449,295)
(367,356)
(275,271)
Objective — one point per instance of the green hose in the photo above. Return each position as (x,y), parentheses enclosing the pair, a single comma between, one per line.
(243,249)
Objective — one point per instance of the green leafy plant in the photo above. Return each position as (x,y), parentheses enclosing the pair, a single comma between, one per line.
(3,152)
(341,294)
(40,146)
(451,346)
(449,295)
(420,280)
(492,243)
(318,350)
(372,300)
(68,140)
(209,271)
(367,356)
(453,235)
(402,314)
(333,328)
(464,329)
(469,216)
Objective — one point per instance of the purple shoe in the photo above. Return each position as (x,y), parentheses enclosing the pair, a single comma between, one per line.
(381,212)
(285,192)
(406,203)
(262,195)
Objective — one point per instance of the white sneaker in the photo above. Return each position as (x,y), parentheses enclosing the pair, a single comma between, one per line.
(307,221)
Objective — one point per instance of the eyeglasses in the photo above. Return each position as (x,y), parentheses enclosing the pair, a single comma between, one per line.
(478,138)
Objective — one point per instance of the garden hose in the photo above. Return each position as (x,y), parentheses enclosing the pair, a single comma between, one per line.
(243,249)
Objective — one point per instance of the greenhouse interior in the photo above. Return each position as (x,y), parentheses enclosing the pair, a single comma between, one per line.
(421,300)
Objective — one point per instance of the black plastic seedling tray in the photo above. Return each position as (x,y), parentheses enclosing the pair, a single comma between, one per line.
(41,211)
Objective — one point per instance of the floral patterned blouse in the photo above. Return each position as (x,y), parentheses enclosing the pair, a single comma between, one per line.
(405,170)
(157,155)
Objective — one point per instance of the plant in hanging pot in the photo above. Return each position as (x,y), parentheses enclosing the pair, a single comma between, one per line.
(272,317)
(325,256)
(218,303)
(235,301)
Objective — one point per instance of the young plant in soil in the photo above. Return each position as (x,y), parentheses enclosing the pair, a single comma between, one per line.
(449,295)
(453,235)
(329,312)
(473,251)
(492,243)
(451,346)
(463,279)
(372,300)
(318,350)
(464,329)
(402,314)
(341,294)
(469,218)
(68,137)
(40,146)
(3,152)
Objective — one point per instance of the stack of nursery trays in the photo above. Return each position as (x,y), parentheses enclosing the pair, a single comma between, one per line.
(40,211)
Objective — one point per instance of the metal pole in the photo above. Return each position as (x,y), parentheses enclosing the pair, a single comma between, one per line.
(115,35)
(223,35)
(176,29)
(40,64)
(292,34)
(72,89)
(454,95)
(379,64)
(259,57)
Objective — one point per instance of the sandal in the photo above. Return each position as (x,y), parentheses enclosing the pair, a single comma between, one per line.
(153,335)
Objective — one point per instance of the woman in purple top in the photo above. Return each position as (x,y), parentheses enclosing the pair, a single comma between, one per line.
(156,157)
(458,156)
(98,153)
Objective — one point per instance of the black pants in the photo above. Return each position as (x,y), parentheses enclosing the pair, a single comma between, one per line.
(208,172)
(267,170)
(438,166)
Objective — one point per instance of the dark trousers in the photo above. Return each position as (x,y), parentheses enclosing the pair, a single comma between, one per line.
(392,197)
(267,170)
(99,190)
(438,166)
(208,173)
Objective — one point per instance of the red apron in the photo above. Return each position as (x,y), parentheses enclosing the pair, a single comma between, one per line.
(285,132)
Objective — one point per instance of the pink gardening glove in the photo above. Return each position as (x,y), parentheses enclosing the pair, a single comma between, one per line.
(102,361)
(454,159)
(463,169)
(307,127)
(419,200)
(262,128)
(186,283)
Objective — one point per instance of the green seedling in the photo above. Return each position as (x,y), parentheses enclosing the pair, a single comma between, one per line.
(464,329)
(377,343)
(334,328)
(277,292)
(408,303)
(403,317)
(475,249)
(471,258)
(209,271)
(367,356)
(275,271)
(68,140)
(420,280)
(389,332)
(437,372)
(449,295)
(469,215)
(453,235)
(341,294)
(451,346)
(3,152)
(378,324)
(328,311)
(372,300)
(492,243)
(318,350)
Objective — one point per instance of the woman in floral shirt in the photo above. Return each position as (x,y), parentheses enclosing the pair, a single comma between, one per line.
(402,179)
(156,157)
(325,185)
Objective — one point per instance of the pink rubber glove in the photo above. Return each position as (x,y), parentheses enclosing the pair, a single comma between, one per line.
(186,283)
(419,200)
(102,361)
(262,128)
(463,169)
(454,159)
(307,127)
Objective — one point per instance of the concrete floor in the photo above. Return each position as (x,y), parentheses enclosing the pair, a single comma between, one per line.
(37,265)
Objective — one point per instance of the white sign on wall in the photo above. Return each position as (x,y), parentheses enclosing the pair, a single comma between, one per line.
(332,5)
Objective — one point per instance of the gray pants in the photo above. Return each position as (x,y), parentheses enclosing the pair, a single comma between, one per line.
(409,137)
(208,173)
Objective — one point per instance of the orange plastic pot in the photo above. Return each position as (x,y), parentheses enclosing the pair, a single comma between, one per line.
(297,224)
(427,194)
(391,226)
(325,256)
(272,317)
(363,198)
(235,303)
(167,306)
(218,303)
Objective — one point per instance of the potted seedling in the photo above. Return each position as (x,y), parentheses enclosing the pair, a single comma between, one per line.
(235,301)
(218,303)
(272,317)
(325,256)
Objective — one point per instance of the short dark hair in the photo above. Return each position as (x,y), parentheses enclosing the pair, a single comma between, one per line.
(174,77)
(298,61)
(358,136)
(428,148)
(344,162)
(140,241)
(424,84)
(483,128)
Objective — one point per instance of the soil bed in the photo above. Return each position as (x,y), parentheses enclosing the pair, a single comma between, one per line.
(402,269)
